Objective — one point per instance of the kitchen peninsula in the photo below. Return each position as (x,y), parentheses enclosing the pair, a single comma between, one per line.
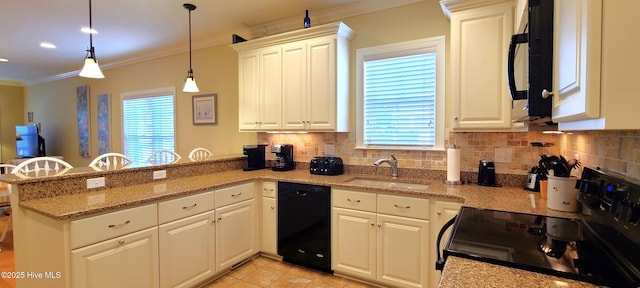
(48,210)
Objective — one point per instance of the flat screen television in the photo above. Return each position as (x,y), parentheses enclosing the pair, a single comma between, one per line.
(28,144)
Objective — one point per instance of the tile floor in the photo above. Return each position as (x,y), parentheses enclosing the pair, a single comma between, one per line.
(266,272)
(261,272)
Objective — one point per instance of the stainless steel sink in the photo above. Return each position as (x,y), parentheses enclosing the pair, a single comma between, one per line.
(387,184)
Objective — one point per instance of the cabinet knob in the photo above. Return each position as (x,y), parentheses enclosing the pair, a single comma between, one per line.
(455,118)
(439,212)
(120,241)
(546,94)
(273,208)
(372,224)
(219,218)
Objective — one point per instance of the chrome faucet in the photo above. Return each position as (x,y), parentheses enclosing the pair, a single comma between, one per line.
(393,162)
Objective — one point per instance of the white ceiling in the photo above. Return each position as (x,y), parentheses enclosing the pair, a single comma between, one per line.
(130,31)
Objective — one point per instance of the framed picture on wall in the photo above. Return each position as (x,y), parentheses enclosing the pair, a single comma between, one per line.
(205,109)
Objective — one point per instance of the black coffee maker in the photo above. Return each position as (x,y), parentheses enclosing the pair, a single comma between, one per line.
(487,173)
(255,156)
(284,157)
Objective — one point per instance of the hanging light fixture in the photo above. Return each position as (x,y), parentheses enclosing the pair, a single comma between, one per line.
(91,68)
(190,82)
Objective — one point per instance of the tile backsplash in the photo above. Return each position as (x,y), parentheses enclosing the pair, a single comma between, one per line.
(614,150)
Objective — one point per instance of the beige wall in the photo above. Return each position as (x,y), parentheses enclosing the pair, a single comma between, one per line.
(11,114)
(216,71)
(215,68)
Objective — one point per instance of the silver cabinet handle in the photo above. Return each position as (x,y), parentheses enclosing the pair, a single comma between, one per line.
(401,207)
(236,195)
(354,201)
(190,207)
(119,225)
(270,189)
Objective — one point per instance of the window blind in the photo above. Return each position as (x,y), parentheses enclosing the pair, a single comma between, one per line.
(400,101)
(148,126)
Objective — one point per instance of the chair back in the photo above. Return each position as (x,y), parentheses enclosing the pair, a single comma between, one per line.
(161,157)
(41,166)
(199,154)
(110,161)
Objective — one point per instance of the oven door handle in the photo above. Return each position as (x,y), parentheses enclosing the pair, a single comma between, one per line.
(440,258)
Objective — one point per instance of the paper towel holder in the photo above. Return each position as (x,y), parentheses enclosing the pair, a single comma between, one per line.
(452,182)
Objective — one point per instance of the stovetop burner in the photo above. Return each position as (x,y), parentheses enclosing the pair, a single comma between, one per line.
(602,247)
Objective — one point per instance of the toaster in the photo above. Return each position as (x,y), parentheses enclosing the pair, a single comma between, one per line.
(326,165)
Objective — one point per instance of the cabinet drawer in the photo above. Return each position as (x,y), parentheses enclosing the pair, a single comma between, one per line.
(269,189)
(354,200)
(234,194)
(404,206)
(185,206)
(98,228)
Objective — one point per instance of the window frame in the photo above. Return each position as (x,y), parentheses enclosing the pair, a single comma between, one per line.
(157,92)
(432,44)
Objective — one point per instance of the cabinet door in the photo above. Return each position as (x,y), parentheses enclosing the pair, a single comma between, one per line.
(577,58)
(187,250)
(321,84)
(442,212)
(354,243)
(127,261)
(235,233)
(249,99)
(270,88)
(403,251)
(294,85)
(269,226)
(479,44)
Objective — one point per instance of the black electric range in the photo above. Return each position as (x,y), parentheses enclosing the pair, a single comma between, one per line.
(602,247)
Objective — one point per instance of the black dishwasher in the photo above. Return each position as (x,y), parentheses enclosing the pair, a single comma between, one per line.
(304,225)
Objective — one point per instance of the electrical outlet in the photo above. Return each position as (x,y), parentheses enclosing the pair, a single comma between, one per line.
(95,182)
(159,174)
(502,155)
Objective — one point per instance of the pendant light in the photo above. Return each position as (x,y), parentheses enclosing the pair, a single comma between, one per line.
(190,82)
(91,68)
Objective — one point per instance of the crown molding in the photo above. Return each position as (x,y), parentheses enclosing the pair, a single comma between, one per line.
(319,17)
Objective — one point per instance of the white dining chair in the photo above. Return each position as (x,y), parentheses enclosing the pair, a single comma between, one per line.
(110,161)
(161,157)
(5,198)
(199,154)
(41,166)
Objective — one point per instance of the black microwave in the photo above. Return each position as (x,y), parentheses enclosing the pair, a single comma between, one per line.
(537,41)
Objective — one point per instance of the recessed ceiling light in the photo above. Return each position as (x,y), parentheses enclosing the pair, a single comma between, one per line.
(47,45)
(89,30)
(4,60)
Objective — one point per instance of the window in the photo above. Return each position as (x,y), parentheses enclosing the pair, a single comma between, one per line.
(400,95)
(148,123)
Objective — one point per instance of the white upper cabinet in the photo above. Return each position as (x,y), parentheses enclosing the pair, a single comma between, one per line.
(295,81)
(595,65)
(480,35)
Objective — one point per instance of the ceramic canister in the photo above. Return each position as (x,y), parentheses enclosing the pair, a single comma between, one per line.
(562,194)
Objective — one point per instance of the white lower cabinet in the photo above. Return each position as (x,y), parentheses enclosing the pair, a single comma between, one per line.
(126,261)
(382,248)
(403,251)
(235,233)
(354,248)
(269,226)
(441,212)
(187,250)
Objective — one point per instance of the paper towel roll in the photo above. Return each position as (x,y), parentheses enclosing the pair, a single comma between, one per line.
(453,164)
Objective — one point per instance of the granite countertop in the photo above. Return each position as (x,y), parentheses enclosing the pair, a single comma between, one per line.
(458,272)
(76,205)
(461,272)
